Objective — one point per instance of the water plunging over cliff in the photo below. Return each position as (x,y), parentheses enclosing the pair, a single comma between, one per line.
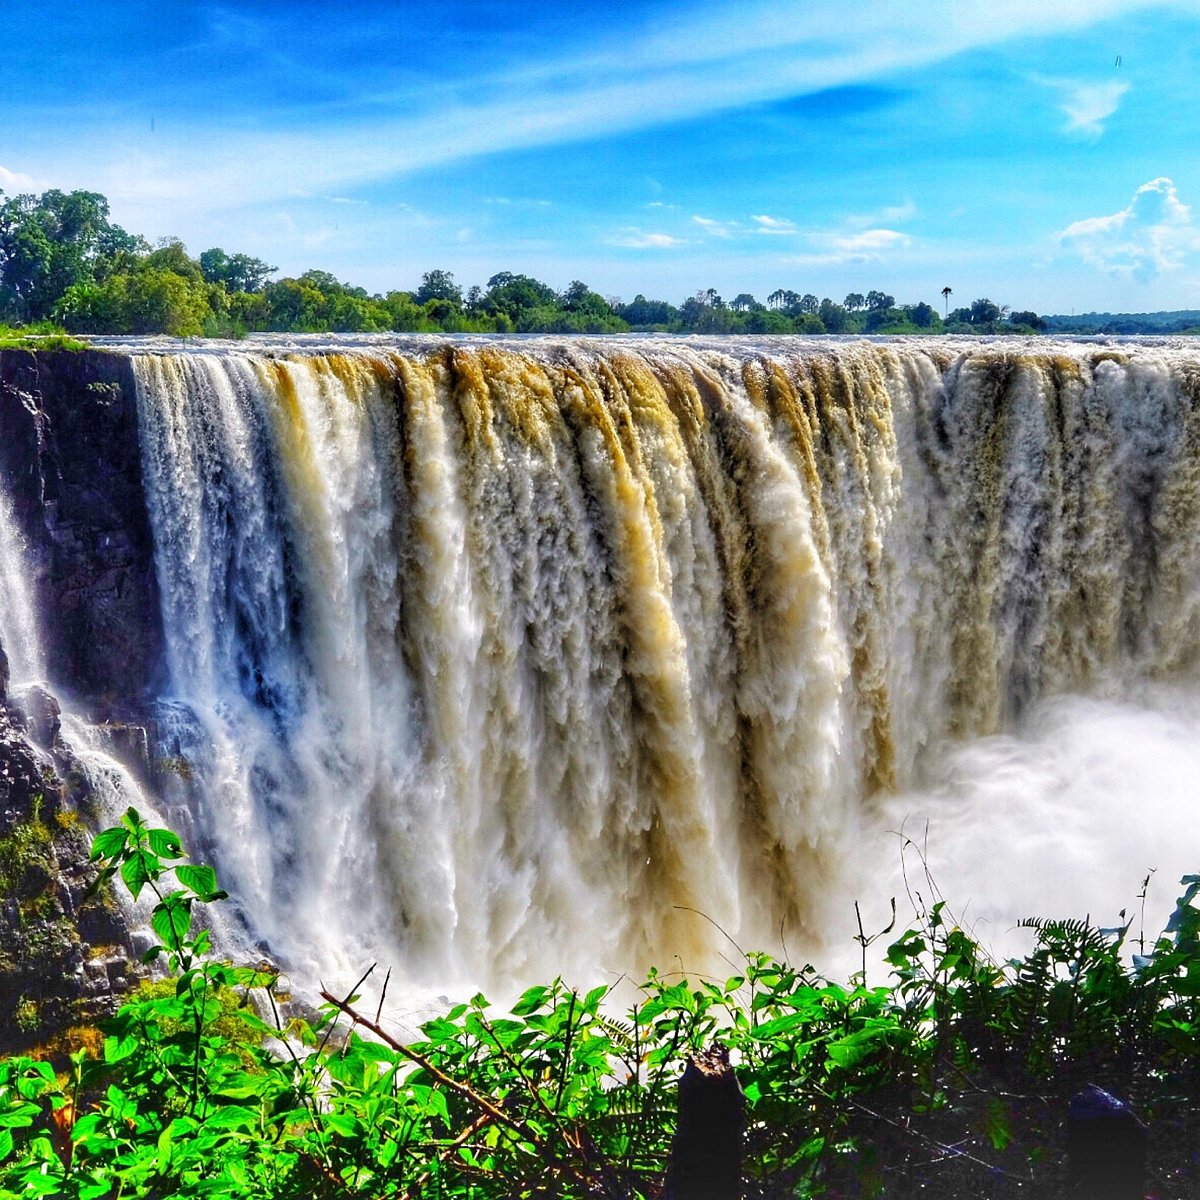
(500,657)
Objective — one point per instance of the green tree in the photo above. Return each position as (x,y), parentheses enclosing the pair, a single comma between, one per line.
(579,298)
(50,243)
(984,312)
(1027,318)
(921,315)
(149,300)
(238,272)
(439,285)
(517,295)
(833,316)
(295,305)
(171,255)
(645,314)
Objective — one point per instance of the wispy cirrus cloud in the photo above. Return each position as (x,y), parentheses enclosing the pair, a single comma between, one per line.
(1153,234)
(700,62)
(639,239)
(845,248)
(718,229)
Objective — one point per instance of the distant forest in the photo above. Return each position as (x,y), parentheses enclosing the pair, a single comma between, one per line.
(1185,320)
(64,264)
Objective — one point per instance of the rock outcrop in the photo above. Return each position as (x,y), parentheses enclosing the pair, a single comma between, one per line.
(65,958)
(70,462)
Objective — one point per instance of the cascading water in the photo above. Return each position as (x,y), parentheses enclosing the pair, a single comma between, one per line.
(19,635)
(500,660)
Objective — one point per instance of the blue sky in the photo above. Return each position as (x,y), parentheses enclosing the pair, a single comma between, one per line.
(1043,154)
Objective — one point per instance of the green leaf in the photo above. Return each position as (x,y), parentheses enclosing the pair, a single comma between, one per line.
(592,1000)
(531,1000)
(201,879)
(232,1116)
(164,843)
(241,1085)
(137,871)
(342,1124)
(164,1149)
(20,1116)
(6,1144)
(172,919)
(118,1048)
(109,843)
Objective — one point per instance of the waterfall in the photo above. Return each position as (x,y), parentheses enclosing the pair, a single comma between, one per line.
(19,635)
(508,659)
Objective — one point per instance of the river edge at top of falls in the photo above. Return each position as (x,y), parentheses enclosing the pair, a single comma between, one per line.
(734,345)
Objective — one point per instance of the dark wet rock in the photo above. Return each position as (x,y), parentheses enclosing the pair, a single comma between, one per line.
(42,714)
(70,462)
(51,930)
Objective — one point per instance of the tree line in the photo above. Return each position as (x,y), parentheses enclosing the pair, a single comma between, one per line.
(64,261)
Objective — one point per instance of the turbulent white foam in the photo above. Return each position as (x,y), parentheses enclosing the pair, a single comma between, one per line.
(1063,818)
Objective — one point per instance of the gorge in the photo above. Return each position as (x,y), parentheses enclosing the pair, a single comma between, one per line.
(493,659)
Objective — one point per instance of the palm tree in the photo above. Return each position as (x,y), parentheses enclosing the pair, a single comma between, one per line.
(946,293)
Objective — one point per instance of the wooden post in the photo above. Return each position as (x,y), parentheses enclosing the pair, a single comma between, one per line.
(1106,1148)
(706,1155)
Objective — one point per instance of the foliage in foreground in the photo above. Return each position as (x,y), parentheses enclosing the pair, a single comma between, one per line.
(954,1079)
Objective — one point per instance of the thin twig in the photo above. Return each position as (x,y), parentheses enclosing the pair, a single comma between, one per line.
(942,1149)
(332,1024)
(382,995)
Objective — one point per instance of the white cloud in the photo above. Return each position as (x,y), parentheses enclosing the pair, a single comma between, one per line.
(893,214)
(1089,105)
(518,202)
(637,239)
(720,229)
(870,241)
(1152,234)
(14,182)
(860,246)
(1086,105)
(774,225)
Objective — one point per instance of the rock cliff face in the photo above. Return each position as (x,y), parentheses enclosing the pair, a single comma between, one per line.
(70,461)
(65,958)
(69,464)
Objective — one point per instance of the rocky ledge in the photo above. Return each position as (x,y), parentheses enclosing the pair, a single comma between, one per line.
(66,958)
